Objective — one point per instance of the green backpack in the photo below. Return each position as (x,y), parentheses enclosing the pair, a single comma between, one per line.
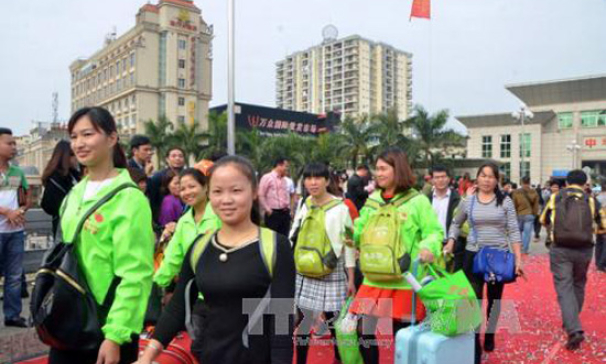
(314,256)
(382,254)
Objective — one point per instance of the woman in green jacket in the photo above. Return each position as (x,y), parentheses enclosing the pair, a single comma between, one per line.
(421,237)
(115,247)
(199,219)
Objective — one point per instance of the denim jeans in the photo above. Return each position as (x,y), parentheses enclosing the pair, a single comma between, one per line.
(11,255)
(526,223)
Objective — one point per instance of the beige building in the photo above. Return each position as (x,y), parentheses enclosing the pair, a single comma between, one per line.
(352,75)
(161,66)
(35,150)
(568,130)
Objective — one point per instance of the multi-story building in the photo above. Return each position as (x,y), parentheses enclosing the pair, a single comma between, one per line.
(567,131)
(352,75)
(36,148)
(160,67)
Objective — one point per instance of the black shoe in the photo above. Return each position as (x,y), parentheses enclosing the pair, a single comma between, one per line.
(574,340)
(18,322)
(489,342)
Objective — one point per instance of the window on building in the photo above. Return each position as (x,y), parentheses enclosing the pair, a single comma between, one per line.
(124,64)
(111,71)
(181,119)
(182,44)
(506,146)
(593,118)
(132,60)
(132,79)
(525,145)
(565,120)
(181,63)
(524,169)
(126,102)
(505,170)
(118,68)
(181,101)
(133,119)
(119,84)
(487,146)
(181,83)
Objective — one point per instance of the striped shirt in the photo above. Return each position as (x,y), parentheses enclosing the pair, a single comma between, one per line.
(492,226)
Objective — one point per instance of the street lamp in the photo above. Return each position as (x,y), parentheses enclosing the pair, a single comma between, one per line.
(231,117)
(521,116)
(574,147)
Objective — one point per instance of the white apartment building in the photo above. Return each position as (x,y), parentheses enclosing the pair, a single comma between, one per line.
(352,75)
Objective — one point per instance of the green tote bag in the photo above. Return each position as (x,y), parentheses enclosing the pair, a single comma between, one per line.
(451,303)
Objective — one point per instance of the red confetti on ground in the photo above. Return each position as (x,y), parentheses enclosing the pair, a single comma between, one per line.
(530,327)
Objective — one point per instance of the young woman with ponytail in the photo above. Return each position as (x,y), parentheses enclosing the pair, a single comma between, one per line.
(115,246)
(493,223)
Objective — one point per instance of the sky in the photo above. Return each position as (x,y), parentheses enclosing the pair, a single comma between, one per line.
(462,57)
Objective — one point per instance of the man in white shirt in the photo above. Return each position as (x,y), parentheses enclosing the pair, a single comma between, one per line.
(444,201)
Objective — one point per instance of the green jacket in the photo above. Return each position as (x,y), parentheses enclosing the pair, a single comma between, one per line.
(421,229)
(185,233)
(116,241)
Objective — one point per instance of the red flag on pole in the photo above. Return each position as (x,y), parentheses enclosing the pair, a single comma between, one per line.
(420,9)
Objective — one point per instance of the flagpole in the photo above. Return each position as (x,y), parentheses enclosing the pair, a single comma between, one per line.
(231,119)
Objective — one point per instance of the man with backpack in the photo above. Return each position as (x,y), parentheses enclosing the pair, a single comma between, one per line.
(571,213)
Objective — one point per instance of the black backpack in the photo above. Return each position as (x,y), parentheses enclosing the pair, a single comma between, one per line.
(573,224)
(63,309)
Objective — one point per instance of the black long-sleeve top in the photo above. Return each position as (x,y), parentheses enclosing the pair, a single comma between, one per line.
(224,286)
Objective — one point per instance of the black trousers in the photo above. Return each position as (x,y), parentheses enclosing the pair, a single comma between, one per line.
(495,294)
(303,334)
(279,221)
(369,347)
(129,353)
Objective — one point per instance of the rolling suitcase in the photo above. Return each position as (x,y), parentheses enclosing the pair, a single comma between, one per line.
(417,344)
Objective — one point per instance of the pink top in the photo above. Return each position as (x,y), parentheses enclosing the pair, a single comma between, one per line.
(273,192)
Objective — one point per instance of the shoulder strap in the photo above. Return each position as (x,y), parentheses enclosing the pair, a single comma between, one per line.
(471,220)
(200,244)
(268,245)
(409,195)
(335,202)
(98,204)
(373,204)
(527,198)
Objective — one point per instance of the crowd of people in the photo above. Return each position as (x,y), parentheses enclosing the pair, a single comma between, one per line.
(199,241)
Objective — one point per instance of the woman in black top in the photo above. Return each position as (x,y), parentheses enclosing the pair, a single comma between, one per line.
(225,283)
(59,176)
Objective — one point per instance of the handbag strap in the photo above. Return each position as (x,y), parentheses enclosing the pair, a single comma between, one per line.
(471,219)
(95,207)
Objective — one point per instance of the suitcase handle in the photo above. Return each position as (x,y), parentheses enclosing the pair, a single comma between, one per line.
(413,314)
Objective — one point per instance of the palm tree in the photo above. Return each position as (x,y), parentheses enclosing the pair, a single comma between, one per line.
(217,134)
(252,144)
(160,134)
(356,136)
(430,134)
(190,139)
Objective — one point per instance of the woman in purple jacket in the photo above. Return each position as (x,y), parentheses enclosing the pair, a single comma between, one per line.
(172,207)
